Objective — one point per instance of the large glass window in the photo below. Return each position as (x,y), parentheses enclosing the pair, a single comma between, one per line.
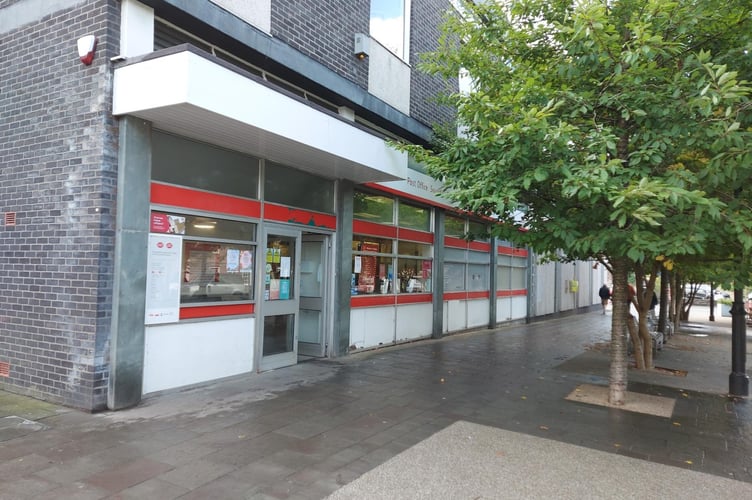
(389,25)
(373,208)
(511,273)
(184,162)
(414,217)
(218,256)
(464,269)
(295,188)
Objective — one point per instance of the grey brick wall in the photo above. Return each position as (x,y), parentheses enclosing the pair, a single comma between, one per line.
(58,153)
(324,30)
(426,17)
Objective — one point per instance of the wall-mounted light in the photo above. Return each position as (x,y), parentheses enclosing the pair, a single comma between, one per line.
(361,46)
(87,45)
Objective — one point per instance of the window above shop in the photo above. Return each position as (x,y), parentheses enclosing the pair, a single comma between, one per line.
(373,208)
(390,25)
(184,162)
(296,188)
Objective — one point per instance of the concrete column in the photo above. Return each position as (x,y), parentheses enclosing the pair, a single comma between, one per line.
(131,243)
(343,269)
(493,284)
(437,275)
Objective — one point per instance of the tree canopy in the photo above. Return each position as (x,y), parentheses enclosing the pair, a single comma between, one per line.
(609,129)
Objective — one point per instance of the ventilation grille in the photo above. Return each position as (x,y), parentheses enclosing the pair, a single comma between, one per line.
(10,218)
(4,369)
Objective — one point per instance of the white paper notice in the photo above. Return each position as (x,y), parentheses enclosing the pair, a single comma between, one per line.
(284,267)
(357,264)
(163,279)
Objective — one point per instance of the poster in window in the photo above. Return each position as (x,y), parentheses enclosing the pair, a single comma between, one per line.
(163,279)
(246,261)
(284,289)
(233,260)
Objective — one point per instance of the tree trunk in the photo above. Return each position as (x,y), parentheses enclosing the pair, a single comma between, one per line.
(618,372)
(662,314)
(637,344)
(647,342)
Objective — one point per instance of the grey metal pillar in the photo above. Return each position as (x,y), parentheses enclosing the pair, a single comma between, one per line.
(131,242)
(437,275)
(343,269)
(493,284)
(738,379)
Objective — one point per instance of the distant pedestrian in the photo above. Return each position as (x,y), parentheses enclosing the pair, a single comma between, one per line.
(605,294)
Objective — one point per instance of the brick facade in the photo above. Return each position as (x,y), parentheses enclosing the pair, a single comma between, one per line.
(426,17)
(58,175)
(324,30)
(58,151)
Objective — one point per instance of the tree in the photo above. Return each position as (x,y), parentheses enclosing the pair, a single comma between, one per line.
(604,128)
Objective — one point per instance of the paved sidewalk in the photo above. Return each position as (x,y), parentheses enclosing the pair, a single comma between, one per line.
(308,430)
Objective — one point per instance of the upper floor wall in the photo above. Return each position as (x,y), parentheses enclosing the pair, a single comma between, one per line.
(311,47)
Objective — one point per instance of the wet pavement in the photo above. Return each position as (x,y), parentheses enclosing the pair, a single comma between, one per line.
(307,430)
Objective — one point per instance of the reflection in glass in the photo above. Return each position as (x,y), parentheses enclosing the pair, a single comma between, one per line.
(216,272)
(279,333)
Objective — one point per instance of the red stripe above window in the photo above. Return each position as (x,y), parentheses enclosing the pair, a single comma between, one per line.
(480,246)
(451,241)
(373,229)
(162,194)
(281,213)
(215,311)
(413,235)
(515,252)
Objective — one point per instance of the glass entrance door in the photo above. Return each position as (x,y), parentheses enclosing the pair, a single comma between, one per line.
(313,289)
(280,308)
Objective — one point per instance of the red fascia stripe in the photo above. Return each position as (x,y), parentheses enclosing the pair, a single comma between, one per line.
(372,300)
(215,311)
(414,298)
(451,241)
(413,235)
(479,295)
(515,252)
(455,296)
(511,293)
(163,194)
(281,213)
(480,246)
(373,229)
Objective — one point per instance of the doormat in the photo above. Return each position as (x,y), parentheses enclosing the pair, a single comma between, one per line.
(634,401)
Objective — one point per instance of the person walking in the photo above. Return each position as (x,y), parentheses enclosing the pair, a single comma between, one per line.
(605,294)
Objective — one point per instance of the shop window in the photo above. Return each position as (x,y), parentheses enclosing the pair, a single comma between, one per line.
(373,265)
(373,208)
(218,256)
(454,226)
(478,231)
(373,269)
(511,273)
(180,161)
(296,188)
(390,20)
(413,217)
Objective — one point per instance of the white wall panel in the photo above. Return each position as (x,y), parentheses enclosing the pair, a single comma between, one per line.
(414,321)
(371,326)
(478,312)
(456,315)
(181,354)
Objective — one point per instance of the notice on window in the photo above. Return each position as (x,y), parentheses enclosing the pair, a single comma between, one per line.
(163,279)
(284,267)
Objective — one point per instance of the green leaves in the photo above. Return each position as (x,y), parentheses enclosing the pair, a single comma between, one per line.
(624,130)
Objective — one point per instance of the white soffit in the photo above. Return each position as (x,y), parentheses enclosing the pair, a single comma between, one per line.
(189,95)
